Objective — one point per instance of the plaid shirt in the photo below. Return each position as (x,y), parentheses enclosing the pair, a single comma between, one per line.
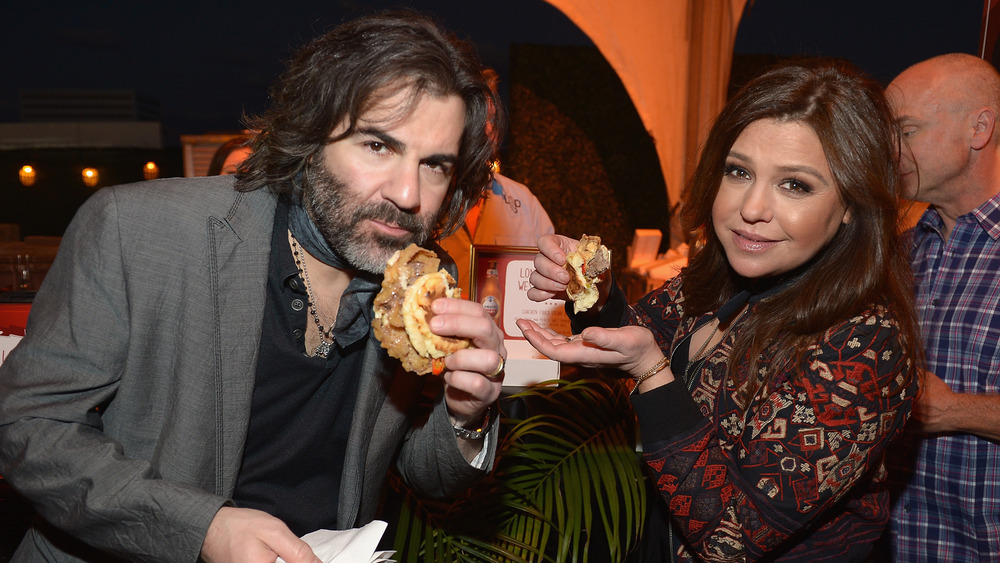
(949,509)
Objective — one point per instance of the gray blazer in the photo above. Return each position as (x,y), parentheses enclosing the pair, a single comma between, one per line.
(124,411)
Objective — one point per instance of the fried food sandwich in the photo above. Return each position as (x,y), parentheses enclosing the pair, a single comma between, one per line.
(402,310)
(587,264)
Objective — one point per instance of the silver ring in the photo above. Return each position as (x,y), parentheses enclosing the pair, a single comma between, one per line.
(497,371)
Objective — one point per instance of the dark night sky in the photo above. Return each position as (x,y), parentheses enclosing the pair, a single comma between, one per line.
(206,63)
(883,37)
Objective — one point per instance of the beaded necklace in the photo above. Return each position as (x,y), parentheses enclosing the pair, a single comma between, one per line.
(326,338)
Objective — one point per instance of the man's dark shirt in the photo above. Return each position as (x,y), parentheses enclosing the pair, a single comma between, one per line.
(302,406)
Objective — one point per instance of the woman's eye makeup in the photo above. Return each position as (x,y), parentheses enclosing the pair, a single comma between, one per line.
(795,185)
(736,171)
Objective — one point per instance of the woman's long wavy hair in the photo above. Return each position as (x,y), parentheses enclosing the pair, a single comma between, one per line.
(338,77)
(864,264)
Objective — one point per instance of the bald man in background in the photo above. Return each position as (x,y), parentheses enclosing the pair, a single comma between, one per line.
(948,476)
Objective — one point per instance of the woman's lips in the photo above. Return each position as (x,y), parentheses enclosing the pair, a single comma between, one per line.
(749,242)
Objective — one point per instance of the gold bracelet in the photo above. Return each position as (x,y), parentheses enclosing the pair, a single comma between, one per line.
(660,366)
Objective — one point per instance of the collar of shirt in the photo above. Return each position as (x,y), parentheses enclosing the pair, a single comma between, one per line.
(986,215)
(355,316)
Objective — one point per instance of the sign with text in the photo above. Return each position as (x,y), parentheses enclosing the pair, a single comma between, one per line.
(508,268)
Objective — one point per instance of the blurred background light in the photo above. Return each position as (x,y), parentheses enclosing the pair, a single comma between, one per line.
(150,171)
(27,174)
(90,177)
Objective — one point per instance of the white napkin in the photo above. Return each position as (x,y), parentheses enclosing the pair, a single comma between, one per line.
(348,546)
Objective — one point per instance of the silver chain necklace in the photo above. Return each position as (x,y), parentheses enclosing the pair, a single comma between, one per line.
(696,360)
(326,338)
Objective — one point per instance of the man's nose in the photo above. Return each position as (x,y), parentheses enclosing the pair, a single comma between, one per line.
(403,187)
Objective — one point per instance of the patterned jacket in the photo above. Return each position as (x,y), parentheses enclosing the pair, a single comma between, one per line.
(798,476)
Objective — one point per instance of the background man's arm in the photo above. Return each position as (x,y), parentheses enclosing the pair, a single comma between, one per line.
(939,410)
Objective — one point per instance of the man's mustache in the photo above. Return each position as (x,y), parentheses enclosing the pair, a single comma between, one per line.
(387,213)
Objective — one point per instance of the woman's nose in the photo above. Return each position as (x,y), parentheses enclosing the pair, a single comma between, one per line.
(756,206)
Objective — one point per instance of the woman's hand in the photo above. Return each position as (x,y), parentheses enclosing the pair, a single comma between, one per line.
(632,349)
(550,276)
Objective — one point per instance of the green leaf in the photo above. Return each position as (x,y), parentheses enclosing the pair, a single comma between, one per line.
(563,474)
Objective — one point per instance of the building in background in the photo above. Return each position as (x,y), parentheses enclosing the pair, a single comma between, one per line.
(68,144)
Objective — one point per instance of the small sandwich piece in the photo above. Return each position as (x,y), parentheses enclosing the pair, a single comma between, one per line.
(402,310)
(587,264)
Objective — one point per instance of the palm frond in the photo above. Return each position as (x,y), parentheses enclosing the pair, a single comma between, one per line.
(564,476)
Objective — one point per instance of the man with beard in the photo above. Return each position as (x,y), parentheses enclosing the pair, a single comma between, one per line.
(199,377)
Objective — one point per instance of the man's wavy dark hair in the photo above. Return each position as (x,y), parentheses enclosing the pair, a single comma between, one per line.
(339,76)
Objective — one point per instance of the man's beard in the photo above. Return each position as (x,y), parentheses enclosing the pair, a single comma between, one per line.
(338,217)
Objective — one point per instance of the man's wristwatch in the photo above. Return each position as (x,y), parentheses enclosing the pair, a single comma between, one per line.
(463,432)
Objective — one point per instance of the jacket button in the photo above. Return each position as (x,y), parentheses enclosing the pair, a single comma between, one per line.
(298,304)
(297,333)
